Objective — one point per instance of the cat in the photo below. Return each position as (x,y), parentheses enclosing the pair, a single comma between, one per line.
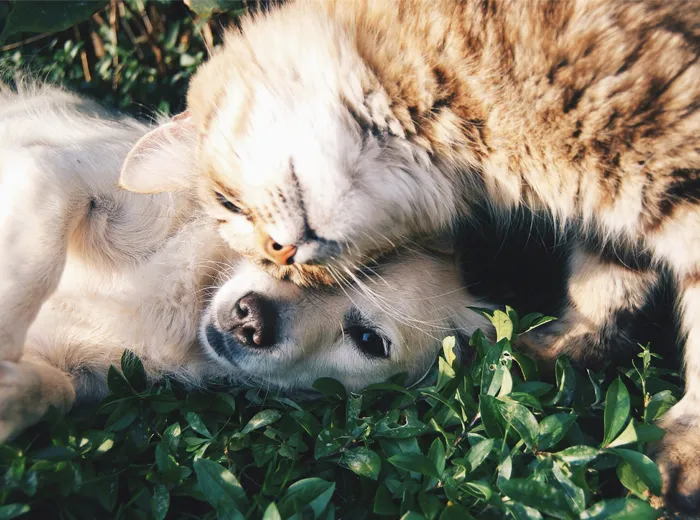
(330,131)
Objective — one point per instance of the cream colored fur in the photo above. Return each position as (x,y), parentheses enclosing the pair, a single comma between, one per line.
(88,270)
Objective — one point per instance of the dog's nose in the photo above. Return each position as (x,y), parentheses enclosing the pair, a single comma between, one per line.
(252,321)
(281,255)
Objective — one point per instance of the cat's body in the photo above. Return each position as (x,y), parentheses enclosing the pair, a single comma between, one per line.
(389,120)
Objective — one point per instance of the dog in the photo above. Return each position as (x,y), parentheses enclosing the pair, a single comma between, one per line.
(89,270)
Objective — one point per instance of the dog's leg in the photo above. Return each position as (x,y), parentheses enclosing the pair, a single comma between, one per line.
(36,209)
(27,389)
(602,295)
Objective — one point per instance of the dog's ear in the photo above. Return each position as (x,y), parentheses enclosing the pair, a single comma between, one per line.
(162,160)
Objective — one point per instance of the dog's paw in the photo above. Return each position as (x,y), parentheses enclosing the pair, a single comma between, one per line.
(27,390)
(10,347)
(678,458)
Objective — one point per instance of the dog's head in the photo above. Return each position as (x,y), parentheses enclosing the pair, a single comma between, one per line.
(388,320)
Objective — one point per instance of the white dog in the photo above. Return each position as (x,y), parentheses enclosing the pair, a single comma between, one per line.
(88,270)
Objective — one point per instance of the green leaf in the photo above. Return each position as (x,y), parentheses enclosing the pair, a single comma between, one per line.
(314,493)
(574,494)
(566,382)
(478,453)
(133,371)
(521,419)
(160,502)
(429,504)
(617,410)
(636,432)
(455,512)
(534,388)
(553,428)
(498,359)
(260,420)
(532,321)
(272,513)
(196,423)
(122,417)
(47,16)
(383,504)
(489,408)
(643,466)
(207,8)
(330,387)
(528,366)
(118,384)
(629,478)
(400,425)
(578,455)
(503,325)
(221,488)
(171,438)
(437,456)
(414,462)
(538,495)
(522,512)
(327,442)
(448,346)
(658,405)
(620,509)
(363,462)
(13,510)
(445,374)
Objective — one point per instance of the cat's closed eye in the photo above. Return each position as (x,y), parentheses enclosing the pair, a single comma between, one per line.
(227,204)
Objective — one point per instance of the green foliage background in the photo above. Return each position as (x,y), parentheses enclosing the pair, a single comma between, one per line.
(491,439)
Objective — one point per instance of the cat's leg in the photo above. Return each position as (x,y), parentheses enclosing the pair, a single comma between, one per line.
(603,294)
(678,243)
(28,389)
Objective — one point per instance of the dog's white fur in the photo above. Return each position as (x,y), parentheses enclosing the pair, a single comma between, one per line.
(88,270)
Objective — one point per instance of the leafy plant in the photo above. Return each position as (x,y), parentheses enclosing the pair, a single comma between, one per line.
(489,439)
(132,54)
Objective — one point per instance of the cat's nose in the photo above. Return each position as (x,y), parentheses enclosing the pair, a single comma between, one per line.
(252,321)
(278,253)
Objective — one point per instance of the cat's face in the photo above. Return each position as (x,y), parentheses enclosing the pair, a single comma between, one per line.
(294,179)
(300,158)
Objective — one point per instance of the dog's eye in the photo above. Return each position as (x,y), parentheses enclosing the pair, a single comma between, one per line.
(227,203)
(369,341)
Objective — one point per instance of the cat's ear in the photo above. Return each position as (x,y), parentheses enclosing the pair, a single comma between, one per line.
(163,159)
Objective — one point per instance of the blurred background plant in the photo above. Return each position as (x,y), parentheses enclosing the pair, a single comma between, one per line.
(135,55)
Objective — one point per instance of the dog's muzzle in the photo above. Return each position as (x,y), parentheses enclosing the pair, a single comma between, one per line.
(248,325)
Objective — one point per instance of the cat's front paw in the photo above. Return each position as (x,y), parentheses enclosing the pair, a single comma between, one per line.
(678,458)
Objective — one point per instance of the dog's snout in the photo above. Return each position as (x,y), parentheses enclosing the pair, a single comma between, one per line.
(278,253)
(252,321)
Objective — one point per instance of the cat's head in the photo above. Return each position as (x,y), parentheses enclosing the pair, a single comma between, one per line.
(297,153)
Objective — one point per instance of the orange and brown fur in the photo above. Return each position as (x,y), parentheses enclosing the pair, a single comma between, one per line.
(339,129)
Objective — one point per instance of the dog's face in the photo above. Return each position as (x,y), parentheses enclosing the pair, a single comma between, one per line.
(276,334)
